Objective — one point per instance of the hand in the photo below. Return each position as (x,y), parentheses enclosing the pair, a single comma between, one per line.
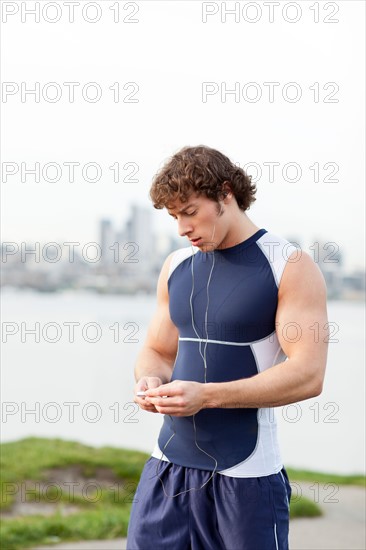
(184,398)
(143,384)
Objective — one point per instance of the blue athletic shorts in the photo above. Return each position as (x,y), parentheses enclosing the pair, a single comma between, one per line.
(226,514)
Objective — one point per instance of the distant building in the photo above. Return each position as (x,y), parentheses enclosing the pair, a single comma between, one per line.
(142,240)
(107,239)
(354,285)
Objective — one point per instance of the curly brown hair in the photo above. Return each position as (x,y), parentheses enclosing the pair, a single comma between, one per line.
(204,171)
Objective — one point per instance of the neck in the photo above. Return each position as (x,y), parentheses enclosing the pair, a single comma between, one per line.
(240,229)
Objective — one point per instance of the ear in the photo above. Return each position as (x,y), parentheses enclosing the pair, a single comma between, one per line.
(226,189)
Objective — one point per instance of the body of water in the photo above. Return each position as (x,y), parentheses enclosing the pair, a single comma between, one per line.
(67,371)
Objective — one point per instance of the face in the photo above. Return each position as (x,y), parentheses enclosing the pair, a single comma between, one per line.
(199,218)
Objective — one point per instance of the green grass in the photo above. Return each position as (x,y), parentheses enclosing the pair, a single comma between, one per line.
(322,477)
(303,507)
(108,523)
(108,516)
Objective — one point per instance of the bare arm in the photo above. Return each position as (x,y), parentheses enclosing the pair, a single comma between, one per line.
(301,328)
(155,361)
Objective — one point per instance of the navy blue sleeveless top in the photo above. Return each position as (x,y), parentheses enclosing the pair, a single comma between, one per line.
(241,341)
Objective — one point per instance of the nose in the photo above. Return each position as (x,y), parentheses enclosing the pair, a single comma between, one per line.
(184,227)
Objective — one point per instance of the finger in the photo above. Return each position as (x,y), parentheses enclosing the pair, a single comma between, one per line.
(172,412)
(159,392)
(138,400)
(153,385)
(162,402)
(163,389)
(143,404)
(150,408)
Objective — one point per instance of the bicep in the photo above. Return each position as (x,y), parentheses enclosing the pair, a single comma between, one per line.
(162,334)
(301,318)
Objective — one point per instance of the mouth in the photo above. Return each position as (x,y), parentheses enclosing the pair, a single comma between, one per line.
(195,241)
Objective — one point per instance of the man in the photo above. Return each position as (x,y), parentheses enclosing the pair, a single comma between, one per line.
(240,328)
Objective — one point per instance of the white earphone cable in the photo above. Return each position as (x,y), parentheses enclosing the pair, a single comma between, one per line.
(205,379)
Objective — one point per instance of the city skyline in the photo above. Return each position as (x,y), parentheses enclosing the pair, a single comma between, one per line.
(128,258)
(164,230)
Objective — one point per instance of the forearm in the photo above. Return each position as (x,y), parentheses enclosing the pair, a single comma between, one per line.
(151,363)
(279,385)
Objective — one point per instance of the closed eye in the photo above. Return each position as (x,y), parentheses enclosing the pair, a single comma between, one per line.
(190,214)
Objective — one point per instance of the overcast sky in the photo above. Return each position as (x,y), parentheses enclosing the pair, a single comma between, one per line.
(313,120)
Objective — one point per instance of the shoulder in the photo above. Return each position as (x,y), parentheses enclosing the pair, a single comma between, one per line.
(278,251)
(276,248)
(294,269)
(172,260)
(176,257)
(302,277)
